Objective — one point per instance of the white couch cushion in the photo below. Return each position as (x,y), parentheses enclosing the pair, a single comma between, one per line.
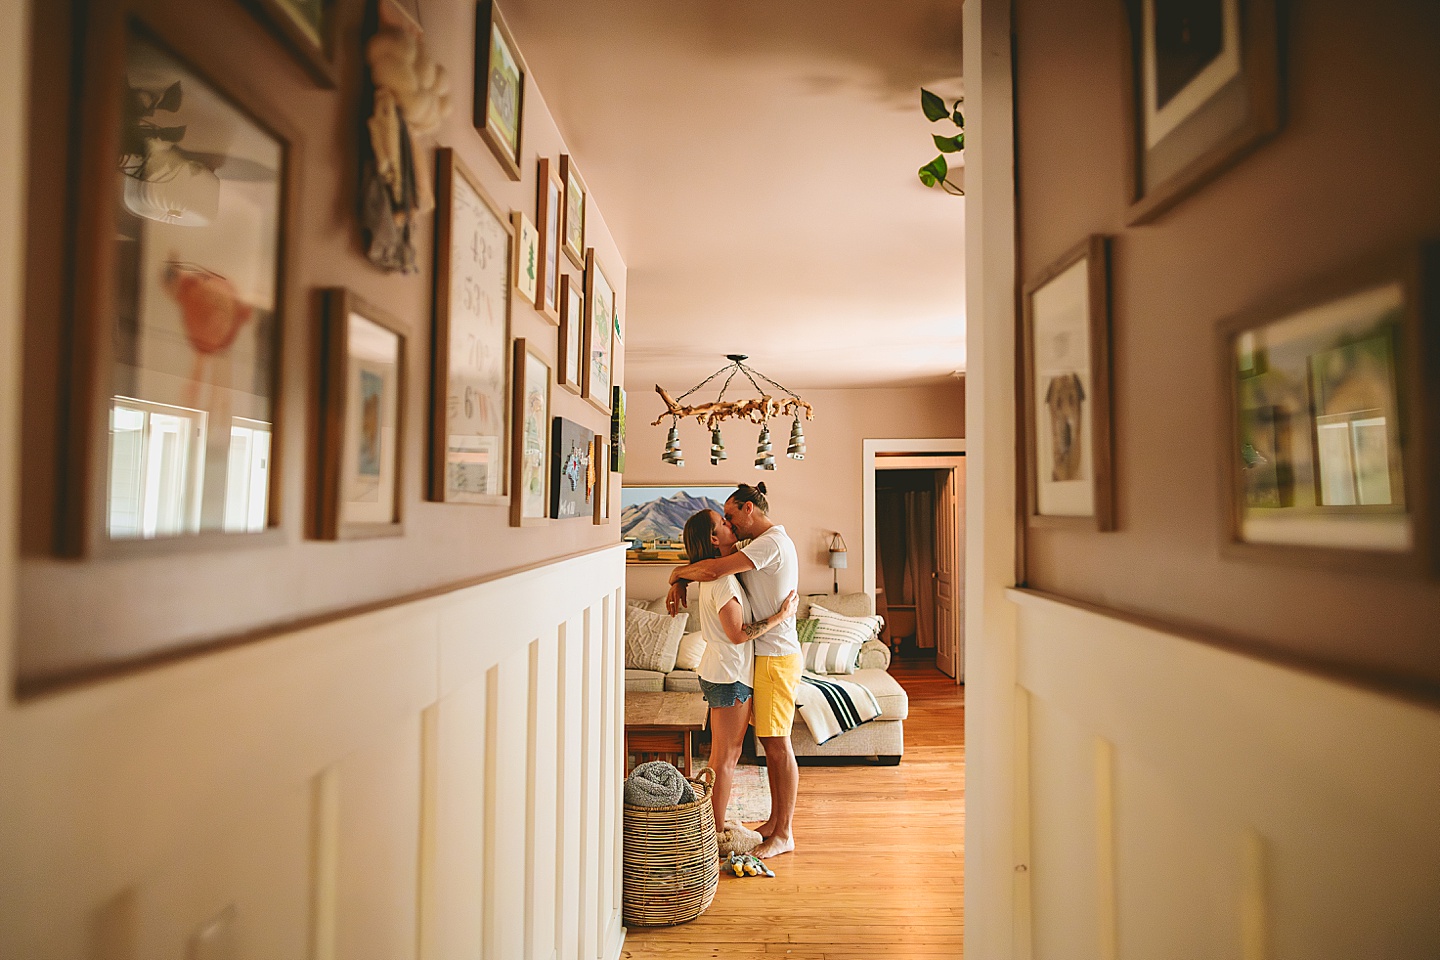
(893,700)
(644,681)
(692,648)
(682,681)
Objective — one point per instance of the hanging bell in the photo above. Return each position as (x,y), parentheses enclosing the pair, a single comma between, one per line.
(673,453)
(796,450)
(717,447)
(764,459)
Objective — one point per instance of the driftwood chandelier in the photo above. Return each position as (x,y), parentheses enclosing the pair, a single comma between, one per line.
(754,410)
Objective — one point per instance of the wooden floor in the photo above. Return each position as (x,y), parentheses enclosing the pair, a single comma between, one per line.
(878,866)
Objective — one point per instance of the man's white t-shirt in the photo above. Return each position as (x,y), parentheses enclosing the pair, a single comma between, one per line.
(776,575)
(723,661)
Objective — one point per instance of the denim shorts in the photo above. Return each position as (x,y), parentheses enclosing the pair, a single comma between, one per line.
(725,694)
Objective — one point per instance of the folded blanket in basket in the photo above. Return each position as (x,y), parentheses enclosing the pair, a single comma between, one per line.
(657,784)
(829,707)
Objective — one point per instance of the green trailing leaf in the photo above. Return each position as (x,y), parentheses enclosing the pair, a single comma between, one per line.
(934,172)
(957,117)
(949,144)
(933,106)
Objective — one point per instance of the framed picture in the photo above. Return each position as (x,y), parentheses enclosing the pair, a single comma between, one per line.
(1206,91)
(619,334)
(617,428)
(1066,397)
(600,457)
(500,75)
(572,470)
(599,329)
(530,498)
(1324,455)
(572,333)
(308,28)
(471,360)
(574,220)
(549,210)
(652,518)
(363,387)
(180,230)
(527,255)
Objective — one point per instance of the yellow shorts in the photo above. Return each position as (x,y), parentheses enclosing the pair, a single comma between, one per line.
(776,679)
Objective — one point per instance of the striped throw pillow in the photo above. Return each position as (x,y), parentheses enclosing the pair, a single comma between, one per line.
(834,626)
(829,657)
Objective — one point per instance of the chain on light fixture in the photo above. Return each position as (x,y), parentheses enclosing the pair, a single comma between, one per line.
(757,409)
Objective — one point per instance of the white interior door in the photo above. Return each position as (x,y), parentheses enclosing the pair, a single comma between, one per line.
(947,573)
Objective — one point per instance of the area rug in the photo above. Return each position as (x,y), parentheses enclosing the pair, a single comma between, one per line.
(749,795)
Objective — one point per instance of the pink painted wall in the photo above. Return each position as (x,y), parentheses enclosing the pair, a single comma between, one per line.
(813,497)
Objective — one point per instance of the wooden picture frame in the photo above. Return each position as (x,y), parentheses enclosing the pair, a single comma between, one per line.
(570,338)
(600,460)
(1065,405)
(530,438)
(549,210)
(1205,91)
(180,299)
(599,353)
(470,358)
(573,222)
(363,384)
(308,30)
(572,447)
(527,256)
(1329,455)
(500,76)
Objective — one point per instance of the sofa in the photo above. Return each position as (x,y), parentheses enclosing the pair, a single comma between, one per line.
(882,738)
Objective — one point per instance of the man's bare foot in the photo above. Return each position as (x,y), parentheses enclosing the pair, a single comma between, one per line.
(765,829)
(773,847)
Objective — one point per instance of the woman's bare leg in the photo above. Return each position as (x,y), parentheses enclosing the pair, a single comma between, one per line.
(727,735)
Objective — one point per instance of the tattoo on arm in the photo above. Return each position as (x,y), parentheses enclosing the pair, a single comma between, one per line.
(753,630)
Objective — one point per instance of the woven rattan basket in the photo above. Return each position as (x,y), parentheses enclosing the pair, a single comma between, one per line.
(671,861)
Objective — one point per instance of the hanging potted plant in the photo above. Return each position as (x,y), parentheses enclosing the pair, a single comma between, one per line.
(936,173)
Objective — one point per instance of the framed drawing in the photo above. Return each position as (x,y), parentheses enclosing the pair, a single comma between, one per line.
(527,255)
(600,456)
(1325,457)
(1205,91)
(652,518)
(617,428)
(599,329)
(572,470)
(573,223)
(530,499)
(572,333)
(1066,397)
(548,213)
(470,403)
(180,247)
(308,28)
(500,76)
(363,387)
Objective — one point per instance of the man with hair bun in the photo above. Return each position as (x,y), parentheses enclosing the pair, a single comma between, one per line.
(769,570)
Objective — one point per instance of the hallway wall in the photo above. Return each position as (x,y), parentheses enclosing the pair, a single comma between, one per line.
(812,498)
(1350,176)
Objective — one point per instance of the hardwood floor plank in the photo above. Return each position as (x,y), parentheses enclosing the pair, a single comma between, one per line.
(878,869)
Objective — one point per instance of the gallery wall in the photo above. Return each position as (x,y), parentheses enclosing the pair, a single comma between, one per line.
(102,611)
(1350,175)
(813,498)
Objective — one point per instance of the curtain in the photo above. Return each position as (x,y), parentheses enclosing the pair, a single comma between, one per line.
(920,563)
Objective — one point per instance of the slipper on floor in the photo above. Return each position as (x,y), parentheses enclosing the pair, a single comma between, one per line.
(737,838)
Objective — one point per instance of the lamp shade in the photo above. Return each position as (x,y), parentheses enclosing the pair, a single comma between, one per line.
(838,560)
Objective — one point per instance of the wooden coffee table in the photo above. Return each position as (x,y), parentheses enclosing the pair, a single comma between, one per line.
(664,723)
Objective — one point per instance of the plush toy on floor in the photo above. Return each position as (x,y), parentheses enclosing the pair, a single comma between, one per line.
(747,865)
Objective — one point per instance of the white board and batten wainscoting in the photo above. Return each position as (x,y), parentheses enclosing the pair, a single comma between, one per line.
(437,779)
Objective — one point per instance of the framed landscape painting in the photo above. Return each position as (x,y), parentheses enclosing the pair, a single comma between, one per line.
(1066,397)
(1206,91)
(470,402)
(652,518)
(499,87)
(1325,449)
(363,384)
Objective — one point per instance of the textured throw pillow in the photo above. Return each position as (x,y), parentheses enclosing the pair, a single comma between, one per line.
(637,602)
(826,656)
(834,626)
(692,648)
(652,640)
(805,629)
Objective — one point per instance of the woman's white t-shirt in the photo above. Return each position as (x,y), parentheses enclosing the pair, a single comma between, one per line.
(723,661)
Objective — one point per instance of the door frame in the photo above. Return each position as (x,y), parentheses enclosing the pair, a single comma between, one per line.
(936,448)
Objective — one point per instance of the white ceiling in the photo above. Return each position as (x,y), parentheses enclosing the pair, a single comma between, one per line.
(755,161)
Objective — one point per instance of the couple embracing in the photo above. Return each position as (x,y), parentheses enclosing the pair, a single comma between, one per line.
(752,663)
